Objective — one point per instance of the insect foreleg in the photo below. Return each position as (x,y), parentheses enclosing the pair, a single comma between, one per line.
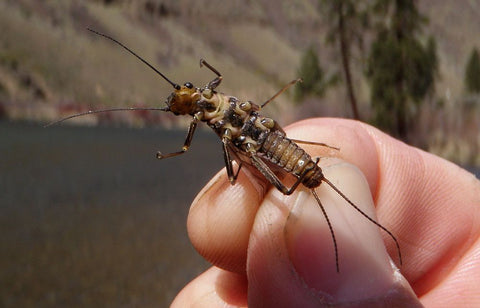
(215,82)
(188,140)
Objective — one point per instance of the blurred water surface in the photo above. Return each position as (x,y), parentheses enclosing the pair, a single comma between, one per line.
(89,217)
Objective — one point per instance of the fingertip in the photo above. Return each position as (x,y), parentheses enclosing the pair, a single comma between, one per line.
(221,218)
(213,288)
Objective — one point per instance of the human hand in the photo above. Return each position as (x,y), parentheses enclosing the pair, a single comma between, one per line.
(271,250)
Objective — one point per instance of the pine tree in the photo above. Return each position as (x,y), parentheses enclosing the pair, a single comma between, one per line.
(401,70)
(472,73)
(312,75)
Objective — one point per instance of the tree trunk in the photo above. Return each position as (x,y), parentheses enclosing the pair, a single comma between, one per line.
(344,50)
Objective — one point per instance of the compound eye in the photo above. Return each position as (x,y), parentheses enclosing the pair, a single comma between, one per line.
(189,85)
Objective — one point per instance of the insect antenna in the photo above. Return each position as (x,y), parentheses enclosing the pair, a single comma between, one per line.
(176,86)
(365,215)
(104,110)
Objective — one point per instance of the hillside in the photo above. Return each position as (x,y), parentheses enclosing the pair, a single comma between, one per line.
(48,58)
(50,66)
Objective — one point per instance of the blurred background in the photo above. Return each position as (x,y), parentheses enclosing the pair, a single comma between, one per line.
(88,216)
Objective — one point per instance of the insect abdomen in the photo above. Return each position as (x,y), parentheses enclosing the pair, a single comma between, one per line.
(286,154)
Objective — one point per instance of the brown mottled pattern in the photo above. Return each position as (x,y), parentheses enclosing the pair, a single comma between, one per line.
(287,154)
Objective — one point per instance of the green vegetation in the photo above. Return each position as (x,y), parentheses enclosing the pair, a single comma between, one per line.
(401,69)
(472,73)
(314,81)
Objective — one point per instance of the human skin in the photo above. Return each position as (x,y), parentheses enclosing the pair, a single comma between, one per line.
(271,250)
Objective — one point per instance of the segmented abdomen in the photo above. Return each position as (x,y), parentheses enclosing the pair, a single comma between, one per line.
(286,154)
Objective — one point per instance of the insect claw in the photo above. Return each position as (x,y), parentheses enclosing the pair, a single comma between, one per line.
(159,155)
(203,62)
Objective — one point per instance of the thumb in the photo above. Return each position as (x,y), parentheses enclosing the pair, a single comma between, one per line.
(292,259)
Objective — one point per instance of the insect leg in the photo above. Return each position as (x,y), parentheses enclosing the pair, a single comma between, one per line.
(315,143)
(215,82)
(291,83)
(188,140)
(272,178)
(227,141)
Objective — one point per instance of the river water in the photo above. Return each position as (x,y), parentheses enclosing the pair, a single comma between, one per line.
(90,218)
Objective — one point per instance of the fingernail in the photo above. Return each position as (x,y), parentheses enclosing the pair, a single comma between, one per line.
(364,265)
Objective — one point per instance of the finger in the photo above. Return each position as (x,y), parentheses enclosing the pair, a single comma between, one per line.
(221,218)
(460,287)
(214,288)
(435,214)
(291,259)
(430,204)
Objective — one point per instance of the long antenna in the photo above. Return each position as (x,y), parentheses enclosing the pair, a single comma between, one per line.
(176,86)
(104,110)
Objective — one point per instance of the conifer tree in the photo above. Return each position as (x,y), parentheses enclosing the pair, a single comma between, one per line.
(312,74)
(401,69)
(472,73)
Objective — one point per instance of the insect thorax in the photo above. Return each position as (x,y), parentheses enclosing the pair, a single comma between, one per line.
(242,118)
